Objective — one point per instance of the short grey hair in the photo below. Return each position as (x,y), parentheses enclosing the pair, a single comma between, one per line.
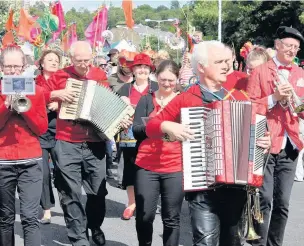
(75,44)
(200,53)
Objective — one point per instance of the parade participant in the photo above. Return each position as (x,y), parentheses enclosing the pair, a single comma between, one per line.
(131,93)
(112,63)
(215,214)
(186,75)
(158,170)
(123,75)
(235,79)
(20,157)
(257,56)
(80,155)
(270,84)
(48,64)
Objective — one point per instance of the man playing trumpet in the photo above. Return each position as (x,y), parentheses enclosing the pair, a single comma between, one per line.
(276,84)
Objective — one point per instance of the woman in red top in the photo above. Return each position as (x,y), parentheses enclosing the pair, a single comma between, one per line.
(48,65)
(158,165)
(131,93)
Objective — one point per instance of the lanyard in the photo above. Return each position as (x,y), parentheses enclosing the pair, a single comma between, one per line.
(216,96)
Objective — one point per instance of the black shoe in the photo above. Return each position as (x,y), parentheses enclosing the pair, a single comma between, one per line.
(98,237)
(110,174)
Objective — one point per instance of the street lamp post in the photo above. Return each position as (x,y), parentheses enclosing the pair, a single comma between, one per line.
(158,27)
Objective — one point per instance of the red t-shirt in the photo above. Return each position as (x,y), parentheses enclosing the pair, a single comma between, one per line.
(236,80)
(158,156)
(135,95)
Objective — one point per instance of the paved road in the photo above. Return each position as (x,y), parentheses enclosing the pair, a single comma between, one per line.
(122,233)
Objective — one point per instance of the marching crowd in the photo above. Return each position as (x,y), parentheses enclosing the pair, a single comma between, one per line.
(149,144)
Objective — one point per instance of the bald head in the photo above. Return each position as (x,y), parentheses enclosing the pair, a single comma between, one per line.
(80,47)
(81,56)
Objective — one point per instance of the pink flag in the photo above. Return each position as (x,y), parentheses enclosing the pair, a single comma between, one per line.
(58,11)
(69,37)
(97,26)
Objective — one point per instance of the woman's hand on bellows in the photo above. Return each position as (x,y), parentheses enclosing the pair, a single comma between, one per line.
(264,142)
(176,131)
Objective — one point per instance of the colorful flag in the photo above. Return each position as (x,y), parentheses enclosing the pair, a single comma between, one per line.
(9,25)
(26,23)
(8,38)
(99,24)
(58,11)
(69,37)
(127,6)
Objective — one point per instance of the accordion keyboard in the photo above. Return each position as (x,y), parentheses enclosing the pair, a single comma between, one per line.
(194,155)
(69,111)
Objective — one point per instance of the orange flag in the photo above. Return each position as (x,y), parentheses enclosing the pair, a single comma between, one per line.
(9,25)
(8,38)
(127,6)
(26,23)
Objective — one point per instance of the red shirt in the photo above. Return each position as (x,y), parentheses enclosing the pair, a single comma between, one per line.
(236,80)
(135,95)
(157,155)
(19,132)
(68,130)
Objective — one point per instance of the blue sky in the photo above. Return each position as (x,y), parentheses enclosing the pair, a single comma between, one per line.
(94,4)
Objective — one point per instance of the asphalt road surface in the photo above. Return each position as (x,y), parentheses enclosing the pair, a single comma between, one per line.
(123,233)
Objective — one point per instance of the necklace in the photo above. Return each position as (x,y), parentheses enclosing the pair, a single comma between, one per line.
(163,101)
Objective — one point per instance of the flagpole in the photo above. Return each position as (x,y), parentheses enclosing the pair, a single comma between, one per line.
(220,20)
(96,30)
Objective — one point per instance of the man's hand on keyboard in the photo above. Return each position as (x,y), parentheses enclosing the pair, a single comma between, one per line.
(63,95)
(176,131)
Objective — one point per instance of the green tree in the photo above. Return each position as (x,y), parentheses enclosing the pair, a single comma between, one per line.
(175,4)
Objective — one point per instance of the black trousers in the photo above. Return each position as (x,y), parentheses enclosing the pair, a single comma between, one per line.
(81,164)
(47,197)
(148,186)
(129,157)
(216,216)
(27,178)
(275,194)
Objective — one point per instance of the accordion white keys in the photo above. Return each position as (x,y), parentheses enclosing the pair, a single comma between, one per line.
(98,105)
(224,150)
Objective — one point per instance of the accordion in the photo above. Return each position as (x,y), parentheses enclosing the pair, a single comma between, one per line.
(224,150)
(97,105)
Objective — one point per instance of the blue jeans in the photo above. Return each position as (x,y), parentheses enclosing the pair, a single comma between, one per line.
(216,216)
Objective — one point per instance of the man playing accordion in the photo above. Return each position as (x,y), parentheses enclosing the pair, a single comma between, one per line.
(80,154)
(215,214)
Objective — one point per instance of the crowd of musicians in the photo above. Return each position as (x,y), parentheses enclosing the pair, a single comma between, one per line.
(150,149)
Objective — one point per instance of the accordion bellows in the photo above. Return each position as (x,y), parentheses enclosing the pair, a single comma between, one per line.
(224,151)
(98,105)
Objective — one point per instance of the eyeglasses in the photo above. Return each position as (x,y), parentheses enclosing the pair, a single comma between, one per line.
(10,67)
(290,46)
(82,61)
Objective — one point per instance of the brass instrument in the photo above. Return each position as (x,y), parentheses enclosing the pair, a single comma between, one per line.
(252,212)
(294,104)
(20,103)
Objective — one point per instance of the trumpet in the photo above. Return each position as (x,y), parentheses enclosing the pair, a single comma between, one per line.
(20,103)
(294,103)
